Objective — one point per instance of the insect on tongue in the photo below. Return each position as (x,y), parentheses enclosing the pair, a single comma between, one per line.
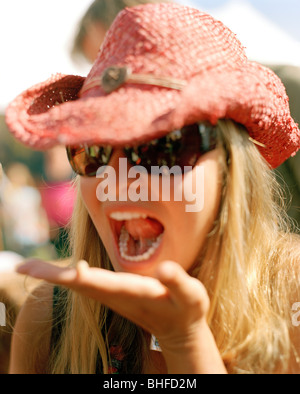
(139,238)
(144,228)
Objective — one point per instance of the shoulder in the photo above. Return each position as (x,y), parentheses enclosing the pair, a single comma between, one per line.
(32,333)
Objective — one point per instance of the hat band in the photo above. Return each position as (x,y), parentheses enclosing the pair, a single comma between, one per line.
(114,77)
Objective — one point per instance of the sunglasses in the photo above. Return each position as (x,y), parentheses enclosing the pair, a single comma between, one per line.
(181,148)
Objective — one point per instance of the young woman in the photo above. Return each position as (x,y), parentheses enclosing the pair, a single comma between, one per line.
(158,285)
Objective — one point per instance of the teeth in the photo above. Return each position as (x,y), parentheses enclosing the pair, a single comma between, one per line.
(120,216)
(123,242)
(124,236)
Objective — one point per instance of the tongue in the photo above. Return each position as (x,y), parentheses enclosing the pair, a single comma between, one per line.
(144,228)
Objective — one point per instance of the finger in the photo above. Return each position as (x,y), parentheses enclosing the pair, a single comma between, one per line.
(184,290)
(121,283)
(49,272)
(93,279)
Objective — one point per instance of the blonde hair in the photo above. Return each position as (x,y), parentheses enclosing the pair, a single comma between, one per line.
(246,267)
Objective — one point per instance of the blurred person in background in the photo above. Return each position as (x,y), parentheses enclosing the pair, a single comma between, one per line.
(24,223)
(58,197)
(24,232)
(95,23)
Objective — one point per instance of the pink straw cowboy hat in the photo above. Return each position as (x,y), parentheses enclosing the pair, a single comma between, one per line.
(161,66)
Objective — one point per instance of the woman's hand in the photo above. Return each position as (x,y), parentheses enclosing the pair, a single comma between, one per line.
(173,306)
(170,303)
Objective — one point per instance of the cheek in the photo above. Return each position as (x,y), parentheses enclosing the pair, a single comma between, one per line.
(88,189)
(203,186)
(201,211)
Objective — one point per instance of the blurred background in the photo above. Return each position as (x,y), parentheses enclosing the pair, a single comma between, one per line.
(38,39)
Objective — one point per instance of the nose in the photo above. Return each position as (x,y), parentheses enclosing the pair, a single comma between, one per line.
(127,180)
(118,153)
(120,163)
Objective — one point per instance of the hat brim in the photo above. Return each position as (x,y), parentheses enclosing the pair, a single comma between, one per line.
(48,114)
(52,113)
(252,96)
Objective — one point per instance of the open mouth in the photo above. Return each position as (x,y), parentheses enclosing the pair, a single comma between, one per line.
(138,235)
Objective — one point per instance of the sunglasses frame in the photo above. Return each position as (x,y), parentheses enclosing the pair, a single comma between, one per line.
(207,134)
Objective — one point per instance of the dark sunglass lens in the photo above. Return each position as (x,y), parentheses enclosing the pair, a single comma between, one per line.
(181,148)
(197,139)
(154,153)
(86,160)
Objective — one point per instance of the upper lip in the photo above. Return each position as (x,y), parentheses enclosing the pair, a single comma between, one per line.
(126,215)
(131,209)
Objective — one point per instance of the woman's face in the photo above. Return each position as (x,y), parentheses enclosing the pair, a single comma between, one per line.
(139,235)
